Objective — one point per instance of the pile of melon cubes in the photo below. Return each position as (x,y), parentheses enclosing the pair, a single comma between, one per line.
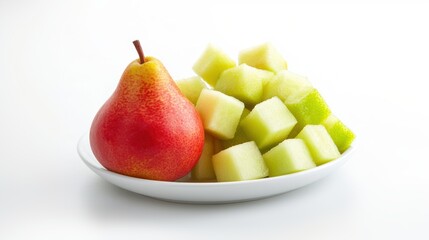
(260,119)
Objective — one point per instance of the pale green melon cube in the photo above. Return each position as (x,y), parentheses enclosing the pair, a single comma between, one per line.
(219,113)
(308,107)
(291,155)
(212,63)
(268,123)
(264,56)
(244,83)
(284,84)
(191,87)
(238,163)
(239,137)
(203,170)
(339,132)
(320,143)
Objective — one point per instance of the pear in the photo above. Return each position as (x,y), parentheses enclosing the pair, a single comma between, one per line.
(147,128)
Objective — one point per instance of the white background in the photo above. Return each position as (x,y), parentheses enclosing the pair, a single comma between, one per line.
(60,61)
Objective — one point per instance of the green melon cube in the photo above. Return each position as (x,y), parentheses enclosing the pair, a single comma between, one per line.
(284,84)
(244,83)
(263,56)
(268,123)
(212,63)
(291,155)
(203,170)
(239,137)
(339,132)
(191,87)
(320,143)
(308,107)
(219,113)
(238,163)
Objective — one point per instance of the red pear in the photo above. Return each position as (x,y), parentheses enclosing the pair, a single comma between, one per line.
(147,128)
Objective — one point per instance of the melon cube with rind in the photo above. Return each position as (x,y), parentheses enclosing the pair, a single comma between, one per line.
(342,135)
(268,123)
(308,107)
(212,62)
(320,144)
(219,113)
(291,155)
(240,162)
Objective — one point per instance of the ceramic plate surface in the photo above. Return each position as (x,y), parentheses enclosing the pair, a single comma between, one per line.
(210,192)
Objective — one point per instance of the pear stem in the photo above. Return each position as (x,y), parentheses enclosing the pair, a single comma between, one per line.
(139,50)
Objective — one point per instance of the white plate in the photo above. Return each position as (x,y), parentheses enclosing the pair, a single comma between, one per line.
(210,192)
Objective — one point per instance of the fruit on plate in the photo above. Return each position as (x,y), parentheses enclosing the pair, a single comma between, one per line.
(219,112)
(291,155)
(284,84)
(264,56)
(320,143)
(203,170)
(288,120)
(147,128)
(244,83)
(308,107)
(269,123)
(212,63)
(240,162)
(191,87)
(339,132)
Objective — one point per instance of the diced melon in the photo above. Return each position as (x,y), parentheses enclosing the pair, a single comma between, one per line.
(339,132)
(291,155)
(264,56)
(191,87)
(244,83)
(212,63)
(268,123)
(203,170)
(308,107)
(320,143)
(219,112)
(240,162)
(284,84)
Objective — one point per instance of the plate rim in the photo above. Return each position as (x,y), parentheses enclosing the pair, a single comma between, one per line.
(90,164)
